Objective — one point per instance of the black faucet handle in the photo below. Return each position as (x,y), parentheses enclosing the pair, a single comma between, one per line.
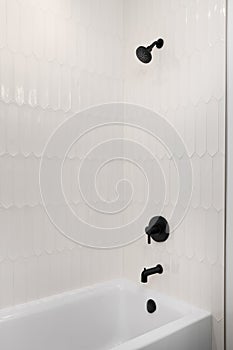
(158,229)
(148,238)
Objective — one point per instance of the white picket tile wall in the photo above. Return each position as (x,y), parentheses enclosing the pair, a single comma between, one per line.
(186,83)
(56,58)
(59,57)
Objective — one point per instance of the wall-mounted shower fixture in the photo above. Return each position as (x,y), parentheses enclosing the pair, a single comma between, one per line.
(158,229)
(144,53)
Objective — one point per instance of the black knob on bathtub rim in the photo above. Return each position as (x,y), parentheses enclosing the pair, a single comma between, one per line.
(151,306)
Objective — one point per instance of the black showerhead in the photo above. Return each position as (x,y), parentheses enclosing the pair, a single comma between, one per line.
(144,53)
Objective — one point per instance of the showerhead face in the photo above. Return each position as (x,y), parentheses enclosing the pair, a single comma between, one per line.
(143,54)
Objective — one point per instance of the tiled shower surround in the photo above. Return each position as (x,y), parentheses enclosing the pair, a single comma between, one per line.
(59,57)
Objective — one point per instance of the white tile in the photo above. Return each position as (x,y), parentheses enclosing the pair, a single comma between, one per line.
(191,28)
(18,181)
(180,31)
(218,181)
(72,43)
(6,76)
(31,278)
(196,193)
(195,78)
(212,127)
(50,237)
(15,240)
(190,233)
(43,84)
(54,85)
(66,8)
(221,125)
(221,240)
(174,183)
(6,184)
(3,23)
(31,181)
(65,88)
(219,60)
(2,129)
(39,33)
(19,281)
(206,181)
(184,80)
(217,297)
(200,230)
(27,232)
(26,28)
(25,131)
(7,283)
(19,78)
(211,235)
(208,74)
(13,24)
(200,128)
(50,43)
(189,130)
(31,81)
(202,25)
(12,130)
(205,285)
(43,276)
(4,237)
(39,233)
(60,28)
(179,240)
(76,269)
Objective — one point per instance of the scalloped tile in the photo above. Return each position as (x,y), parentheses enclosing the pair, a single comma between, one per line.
(6,76)
(39,33)
(4,228)
(189,130)
(211,235)
(202,25)
(12,130)
(212,127)
(218,181)
(200,230)
(7,283)
(200,129)
(3,20)
(222,125)
(13,24)
(206,181)
(2,129)
(6,176)
(26,26)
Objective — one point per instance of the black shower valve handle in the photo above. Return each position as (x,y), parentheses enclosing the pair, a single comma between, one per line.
(147,230)
(148,238)
(158,229)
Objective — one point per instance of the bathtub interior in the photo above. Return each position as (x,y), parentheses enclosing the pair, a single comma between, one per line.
(97,317)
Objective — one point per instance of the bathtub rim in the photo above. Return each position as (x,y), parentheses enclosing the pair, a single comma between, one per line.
(189,313)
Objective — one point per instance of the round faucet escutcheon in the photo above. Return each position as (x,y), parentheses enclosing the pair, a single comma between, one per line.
(158,229)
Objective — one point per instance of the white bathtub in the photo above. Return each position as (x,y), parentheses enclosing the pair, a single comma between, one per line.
(107,316)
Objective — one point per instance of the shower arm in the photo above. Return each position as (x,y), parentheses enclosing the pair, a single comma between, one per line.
(158,43)
(150,47)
